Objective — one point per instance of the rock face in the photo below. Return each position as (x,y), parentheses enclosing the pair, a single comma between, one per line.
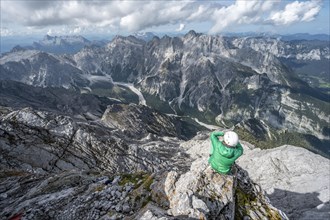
(60,143)
(296,180)
(68,195)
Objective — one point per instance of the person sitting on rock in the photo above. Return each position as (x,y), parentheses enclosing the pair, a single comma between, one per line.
(225,151)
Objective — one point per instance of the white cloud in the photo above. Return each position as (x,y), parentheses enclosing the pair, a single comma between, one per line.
(156,13)
(181,27)
(78,16)
(242,12)
(296,12)
(50,32)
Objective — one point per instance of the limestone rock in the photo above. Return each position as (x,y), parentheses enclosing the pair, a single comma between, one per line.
(296,180)
(202,193)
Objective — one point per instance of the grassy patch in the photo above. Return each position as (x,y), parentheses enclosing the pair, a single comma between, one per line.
(246,203)
(137,179)
(324,85)
(243,203)
(148,181)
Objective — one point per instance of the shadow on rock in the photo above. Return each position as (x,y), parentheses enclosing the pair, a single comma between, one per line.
(300,205)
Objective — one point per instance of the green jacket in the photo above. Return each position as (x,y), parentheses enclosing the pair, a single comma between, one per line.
(223,157)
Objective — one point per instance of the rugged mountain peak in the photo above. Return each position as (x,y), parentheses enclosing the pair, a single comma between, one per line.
(39,68)
(70,39)
(129,39)
(61,44)
(17,48)
(295,180)
(146,36)
(191,34)
(47,37)
(155,38)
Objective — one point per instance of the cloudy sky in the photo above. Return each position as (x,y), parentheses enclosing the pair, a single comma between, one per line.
(28,17)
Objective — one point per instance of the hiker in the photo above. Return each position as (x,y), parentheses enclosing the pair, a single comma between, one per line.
(224,152)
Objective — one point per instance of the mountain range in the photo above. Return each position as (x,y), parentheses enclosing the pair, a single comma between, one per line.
(63,44)
(229,81)
(121,130)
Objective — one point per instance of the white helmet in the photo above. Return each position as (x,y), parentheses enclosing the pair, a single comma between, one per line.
(230,138)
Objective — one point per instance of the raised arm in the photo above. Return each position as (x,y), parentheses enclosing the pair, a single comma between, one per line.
(214,140)
(214,137)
